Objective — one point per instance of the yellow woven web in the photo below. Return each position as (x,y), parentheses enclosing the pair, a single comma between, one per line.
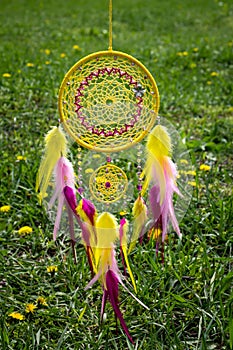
(108,101)
(108,183)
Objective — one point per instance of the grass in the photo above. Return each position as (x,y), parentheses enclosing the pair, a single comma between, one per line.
(187,46)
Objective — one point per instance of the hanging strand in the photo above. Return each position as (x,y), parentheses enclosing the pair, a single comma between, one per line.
(110,25)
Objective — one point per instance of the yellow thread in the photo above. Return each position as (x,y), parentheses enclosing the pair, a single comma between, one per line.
(108,101)
(110,25)
(108,183)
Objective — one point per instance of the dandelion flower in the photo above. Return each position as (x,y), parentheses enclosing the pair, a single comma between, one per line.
(191,172)
(185,53)
(5,208)
(192,183)
(21,158)
(29,64)
(195,49)
(96,156)
(6,75)
(76,47)
(89,170)
(209,82)
(47,62)
(47,51)
(123,213)
(41,301)
(193,65)
(30,308)
(214,74)
(62,55)
(25,230)
(17,316)
(204,167)
(184,161)
(52,269)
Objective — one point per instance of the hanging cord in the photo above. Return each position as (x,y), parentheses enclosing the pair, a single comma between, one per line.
(110,25)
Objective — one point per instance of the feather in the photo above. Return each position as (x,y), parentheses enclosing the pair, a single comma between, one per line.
(104,252)
(112,290)
(72,202)
(88,214)
(55,146)
(140,219)
(161,172)
(123,247)
(64,175)
(158,151)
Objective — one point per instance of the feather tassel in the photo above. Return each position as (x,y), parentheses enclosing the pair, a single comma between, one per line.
(107,269)
(124,227)
(64,176)
(161,172)
(140,219)
(55,146)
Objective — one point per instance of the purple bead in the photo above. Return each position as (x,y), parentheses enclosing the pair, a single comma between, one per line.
(108,159)
(80,190)
(139,187)
(107,184)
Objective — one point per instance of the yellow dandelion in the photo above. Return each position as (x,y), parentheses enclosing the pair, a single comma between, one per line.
(195,49)
(6,75)
(185,53)
(204,167)
(214,74)
(17,316)
(25,230)
(179,53)
(123,213)
(230,109)
(184,161)
(192,183)
(191,172)
(62,55)
(76,47)
(52,269)
(41,301)
(29,64)
(209,82)
(5,208)
(89,170)
(21,158)
(30,308)
(47,62)
(47,51)
(193,65)
(96,156)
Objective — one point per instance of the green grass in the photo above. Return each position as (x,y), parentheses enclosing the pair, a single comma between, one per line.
(190,296)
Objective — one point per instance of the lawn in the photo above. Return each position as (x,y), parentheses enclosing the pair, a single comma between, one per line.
(188,47)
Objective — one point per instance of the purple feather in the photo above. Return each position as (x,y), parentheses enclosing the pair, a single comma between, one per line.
(112,288)
(154,198)
(89,209)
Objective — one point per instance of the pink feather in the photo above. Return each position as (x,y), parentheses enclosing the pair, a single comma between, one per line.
(64,175)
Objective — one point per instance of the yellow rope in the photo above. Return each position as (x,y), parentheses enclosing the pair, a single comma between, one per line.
(110,25)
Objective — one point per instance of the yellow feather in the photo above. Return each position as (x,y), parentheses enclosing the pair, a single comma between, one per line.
(124,250)
(159,147)
(159,142)
(55,146)
(107,233)
(107,230)
(140,218)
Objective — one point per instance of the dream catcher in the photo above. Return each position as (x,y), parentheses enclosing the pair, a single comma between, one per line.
(124,177)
